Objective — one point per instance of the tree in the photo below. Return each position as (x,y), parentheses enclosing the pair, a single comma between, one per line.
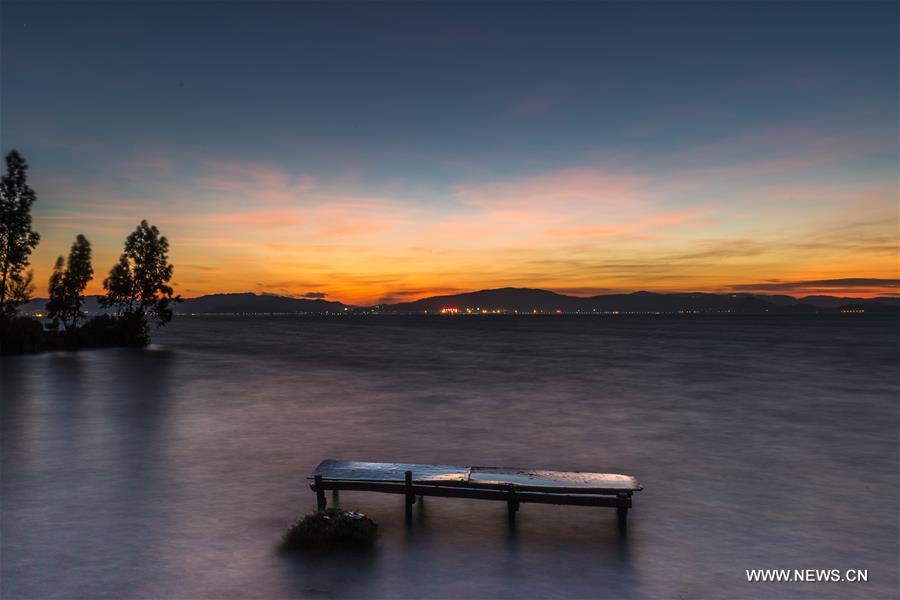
(78,273)
(67,286)
(119,287)
(19,290)
(17,239)
(56,304)
(139,283)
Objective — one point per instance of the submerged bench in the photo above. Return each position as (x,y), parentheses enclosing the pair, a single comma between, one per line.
(511,485)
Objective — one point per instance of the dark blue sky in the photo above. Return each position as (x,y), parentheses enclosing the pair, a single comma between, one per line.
(422,102)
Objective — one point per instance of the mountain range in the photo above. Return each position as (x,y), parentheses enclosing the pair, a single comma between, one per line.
(530,300)
(227,304)
(522,300)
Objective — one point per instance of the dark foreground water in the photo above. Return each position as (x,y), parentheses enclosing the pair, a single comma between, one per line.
(171,472)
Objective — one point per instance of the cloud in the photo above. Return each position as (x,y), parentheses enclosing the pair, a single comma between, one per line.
(717,250)
(586,228)
(409,295)
(586,291)
(314,295)
(550,191)
(266,219)
(543,208)
(789,145)
(651,223)
(853,285)
(259,183)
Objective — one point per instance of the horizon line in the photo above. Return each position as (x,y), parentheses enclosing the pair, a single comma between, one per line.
(766,289)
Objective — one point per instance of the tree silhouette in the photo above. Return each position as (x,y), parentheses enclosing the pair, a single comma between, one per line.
(17,239)
(119,287)
(67,286)
(18,291)
(56,304)
(139,283)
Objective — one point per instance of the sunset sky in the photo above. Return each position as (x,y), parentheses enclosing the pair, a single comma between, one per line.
(379,152)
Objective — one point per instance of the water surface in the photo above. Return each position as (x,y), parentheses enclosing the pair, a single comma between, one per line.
(172,471)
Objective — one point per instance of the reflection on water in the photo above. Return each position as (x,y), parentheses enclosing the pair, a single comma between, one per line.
(172,471)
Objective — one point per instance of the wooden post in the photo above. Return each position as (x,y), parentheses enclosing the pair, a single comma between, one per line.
(410,497)
(320,494)
(622,512)
(512,505)
(335,497)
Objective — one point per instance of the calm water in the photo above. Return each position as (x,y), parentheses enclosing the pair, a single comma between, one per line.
(172,471)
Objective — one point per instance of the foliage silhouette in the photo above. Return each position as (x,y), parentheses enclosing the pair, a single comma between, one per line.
(139,283)
(19,289)
(56,301)
(67,286)
(105,331)
(20,335)
(330,529)
(17,239)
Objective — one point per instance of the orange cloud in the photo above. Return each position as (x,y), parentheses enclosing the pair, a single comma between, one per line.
(262,184)
(261,227)
(867,287)
(263,218)
(649,225)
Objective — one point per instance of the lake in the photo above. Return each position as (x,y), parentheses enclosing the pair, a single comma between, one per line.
(172,471)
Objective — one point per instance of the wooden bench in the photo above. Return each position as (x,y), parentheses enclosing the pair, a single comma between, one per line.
(511,485)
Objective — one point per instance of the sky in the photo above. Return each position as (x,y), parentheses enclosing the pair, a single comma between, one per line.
(375,152)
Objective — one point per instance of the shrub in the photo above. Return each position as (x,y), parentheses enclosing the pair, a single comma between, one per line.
(107,331)
(330,529)
(19,335)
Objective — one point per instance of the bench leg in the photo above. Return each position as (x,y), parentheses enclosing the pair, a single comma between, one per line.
(321,503)
(410,497)
(512,506)
(622,512)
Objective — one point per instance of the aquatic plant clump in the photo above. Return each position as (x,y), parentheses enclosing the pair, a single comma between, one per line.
(330,529)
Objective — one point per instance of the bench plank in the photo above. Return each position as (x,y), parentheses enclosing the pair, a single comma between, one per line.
(562,480)
(478,493)
(478,477)
(353,470)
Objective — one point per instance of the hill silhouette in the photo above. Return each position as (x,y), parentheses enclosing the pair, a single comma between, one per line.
(231,304)
(249,303)
(530,300)
(523,300)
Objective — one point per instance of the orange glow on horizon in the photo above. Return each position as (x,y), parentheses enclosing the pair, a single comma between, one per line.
(582,232)
(367,296)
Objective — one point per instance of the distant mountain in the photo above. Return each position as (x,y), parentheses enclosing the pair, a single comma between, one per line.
(521,299)
(776,299)
(38,305)
(525,300)
(530,300)
(872,306)
(249,303)
(836,302)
